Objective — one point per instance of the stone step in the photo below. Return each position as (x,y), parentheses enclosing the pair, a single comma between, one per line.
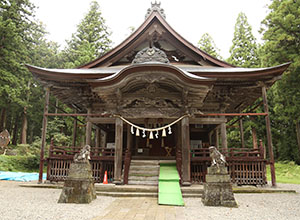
(143,172)
(198,189)
(124,188)
(141,194)
(141,182)
(145,162)
(143,178)
(128,194)
(144,168)
(148,174)
(188,195)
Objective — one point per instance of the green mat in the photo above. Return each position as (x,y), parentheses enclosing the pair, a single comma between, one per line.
(169,192)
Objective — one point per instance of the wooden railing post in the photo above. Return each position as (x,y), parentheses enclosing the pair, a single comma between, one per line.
(269,135)
(44,130)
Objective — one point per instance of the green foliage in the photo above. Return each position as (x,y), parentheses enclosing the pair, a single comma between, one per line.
(281,33)
(19,163)
(90,41)
(282,44)
(286,172)
(244,51)
(55,129)
(207,44)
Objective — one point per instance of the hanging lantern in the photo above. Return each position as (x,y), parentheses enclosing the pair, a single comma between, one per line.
(156,135)
(151,135)
(169,131)
(144,134)
(137,133)
(164,133)
(132,130)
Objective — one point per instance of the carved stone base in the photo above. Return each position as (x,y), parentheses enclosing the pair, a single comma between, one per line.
(79,185)
(218,188)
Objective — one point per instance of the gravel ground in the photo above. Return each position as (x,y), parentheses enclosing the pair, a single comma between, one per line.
(266,206)
(39,203)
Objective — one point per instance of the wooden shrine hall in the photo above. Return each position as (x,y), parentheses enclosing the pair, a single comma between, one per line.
(157,96)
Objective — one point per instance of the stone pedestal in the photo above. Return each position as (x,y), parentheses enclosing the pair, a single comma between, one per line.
(79,185)
(218,188)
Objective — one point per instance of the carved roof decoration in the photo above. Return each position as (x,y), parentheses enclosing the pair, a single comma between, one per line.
(150,54)
(155,7)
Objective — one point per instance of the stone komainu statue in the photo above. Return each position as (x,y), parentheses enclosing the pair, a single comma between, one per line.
(84,155)
(217,158)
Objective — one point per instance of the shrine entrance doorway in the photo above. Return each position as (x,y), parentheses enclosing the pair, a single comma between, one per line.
(157,148)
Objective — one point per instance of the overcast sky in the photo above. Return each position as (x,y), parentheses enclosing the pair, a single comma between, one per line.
(190,18)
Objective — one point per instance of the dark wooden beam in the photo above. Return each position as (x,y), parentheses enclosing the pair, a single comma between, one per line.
(74,132)
(234,114)
(186,149)
(118,151)
(242,133)
(44,131)
(97,138)
(223,135)
(269,135)
(88,131)
(254,135)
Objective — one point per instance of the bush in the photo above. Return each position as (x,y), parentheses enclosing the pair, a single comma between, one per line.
(27,163)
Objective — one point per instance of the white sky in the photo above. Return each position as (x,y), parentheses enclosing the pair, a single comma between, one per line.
(190,18)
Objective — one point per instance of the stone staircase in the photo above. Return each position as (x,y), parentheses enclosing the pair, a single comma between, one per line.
(143,172)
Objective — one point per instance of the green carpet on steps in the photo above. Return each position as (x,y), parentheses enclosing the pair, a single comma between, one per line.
(169,192)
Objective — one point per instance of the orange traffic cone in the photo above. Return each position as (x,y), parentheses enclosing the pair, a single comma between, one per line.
(105,178)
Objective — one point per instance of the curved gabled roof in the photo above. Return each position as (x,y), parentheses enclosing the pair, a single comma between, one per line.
(150,68)
(141,34)
(188,70)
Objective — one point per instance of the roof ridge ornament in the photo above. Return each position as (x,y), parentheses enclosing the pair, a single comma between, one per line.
(155,7)
(150,54)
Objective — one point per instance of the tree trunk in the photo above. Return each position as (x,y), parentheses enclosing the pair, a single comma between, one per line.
(24,128)
(298,134)
(15,130)
(2,119)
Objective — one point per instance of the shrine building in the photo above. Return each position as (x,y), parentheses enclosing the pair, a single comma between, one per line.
(156,96)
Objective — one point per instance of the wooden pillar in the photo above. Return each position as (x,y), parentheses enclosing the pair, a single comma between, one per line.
(186,152)
(74,132)
(242,133)
(210,138)
(88,131)
(269,135)
(103,140)
(217,137)
(129,138)
(44,131)
(223,135)
(127,155)
(254,136)
(118,151)
(97,138)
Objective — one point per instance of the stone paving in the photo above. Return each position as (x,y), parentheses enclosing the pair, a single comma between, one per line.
(141,209)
